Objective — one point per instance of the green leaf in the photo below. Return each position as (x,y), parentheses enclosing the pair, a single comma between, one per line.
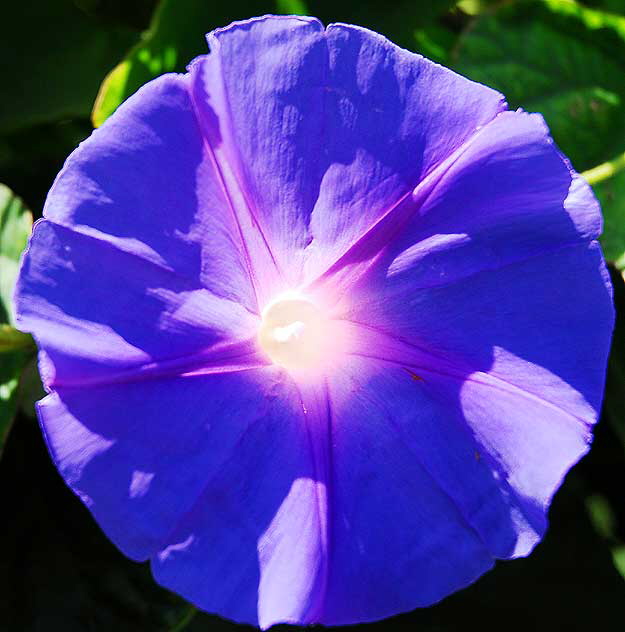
(435,42)
(560,59)
(611,194)
(292,7)
(15,347)
(30,158)
(11,365)
(612,6)
(604,519)
(30,389)
(15,225)
(13,340)
(567,62)
(54,55)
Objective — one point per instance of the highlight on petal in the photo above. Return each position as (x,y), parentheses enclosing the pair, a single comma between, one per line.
(323,326)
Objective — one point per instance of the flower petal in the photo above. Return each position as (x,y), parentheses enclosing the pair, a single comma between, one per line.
(506,372)
(507,196)
(254,546)
(212,477)
(435,474)
(319,132)
(138,258)
(546,334)
(406,509)
(177,431)
(509,281)
(98,311)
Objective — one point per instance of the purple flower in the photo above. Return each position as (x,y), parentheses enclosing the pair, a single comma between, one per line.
(323,325)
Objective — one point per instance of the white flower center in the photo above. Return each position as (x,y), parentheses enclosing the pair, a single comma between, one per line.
(294,333)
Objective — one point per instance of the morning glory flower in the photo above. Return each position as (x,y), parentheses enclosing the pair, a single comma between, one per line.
(323,325)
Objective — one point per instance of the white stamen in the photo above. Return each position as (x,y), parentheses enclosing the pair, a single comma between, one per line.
(294,333)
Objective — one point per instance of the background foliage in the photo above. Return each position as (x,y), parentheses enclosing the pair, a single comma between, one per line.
(65,65)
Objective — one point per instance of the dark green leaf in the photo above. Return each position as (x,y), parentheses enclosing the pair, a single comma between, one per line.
(560,59)
(11,364)
(292,7)
(15,225)
(435,42)
(30,389)
(15,347)
(612,6)
(611,194)
(605,522)
(30,158)
(567,62)
(476,7)
(54,56)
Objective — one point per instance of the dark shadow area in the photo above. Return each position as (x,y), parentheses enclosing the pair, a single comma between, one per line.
(58,571)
